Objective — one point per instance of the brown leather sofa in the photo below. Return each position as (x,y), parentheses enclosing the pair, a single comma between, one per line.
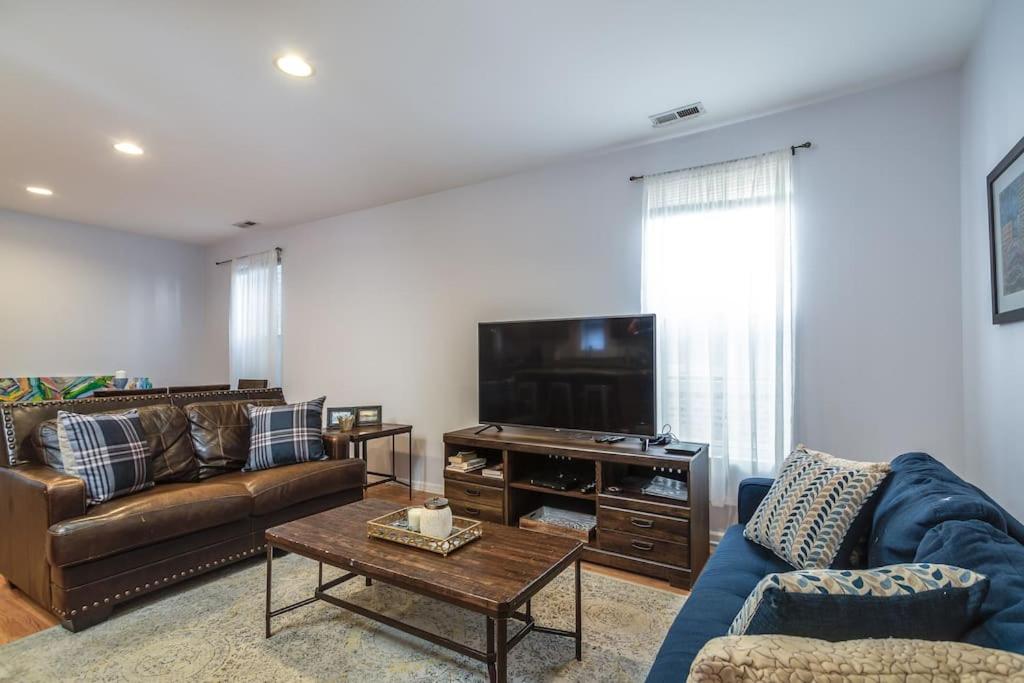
(203,512)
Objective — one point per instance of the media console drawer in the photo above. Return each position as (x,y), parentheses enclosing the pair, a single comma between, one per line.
(484,513)
(473,494)
(644,524)
(646,548)
(650,504)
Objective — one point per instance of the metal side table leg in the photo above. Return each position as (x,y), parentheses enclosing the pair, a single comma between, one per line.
(270,563)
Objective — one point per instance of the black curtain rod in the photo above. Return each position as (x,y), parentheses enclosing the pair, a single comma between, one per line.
(792,149)
(221,263)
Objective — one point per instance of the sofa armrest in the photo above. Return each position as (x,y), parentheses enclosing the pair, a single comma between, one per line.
(32,499)
(751,492)
(336,445)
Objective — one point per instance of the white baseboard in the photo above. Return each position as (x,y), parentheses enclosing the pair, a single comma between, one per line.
(436,489)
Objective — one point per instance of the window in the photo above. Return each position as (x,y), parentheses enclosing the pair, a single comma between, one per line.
(716,271)
(255,330)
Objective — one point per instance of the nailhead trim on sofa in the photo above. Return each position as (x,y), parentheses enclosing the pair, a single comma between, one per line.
(138,589)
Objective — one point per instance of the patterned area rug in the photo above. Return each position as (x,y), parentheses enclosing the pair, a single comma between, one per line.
(211,629)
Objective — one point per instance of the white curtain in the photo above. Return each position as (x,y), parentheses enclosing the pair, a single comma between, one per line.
(254,331)
(716,272)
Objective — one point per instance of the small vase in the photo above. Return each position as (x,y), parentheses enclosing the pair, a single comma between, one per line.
(436,518)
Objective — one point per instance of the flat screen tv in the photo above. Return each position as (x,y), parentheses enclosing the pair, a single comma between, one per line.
(582,374)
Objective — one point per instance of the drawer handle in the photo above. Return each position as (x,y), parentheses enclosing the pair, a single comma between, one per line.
(643,545)
(642,523)
(472,492)
(472,511)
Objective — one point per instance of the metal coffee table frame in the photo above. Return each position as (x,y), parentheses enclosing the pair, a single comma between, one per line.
(498,642)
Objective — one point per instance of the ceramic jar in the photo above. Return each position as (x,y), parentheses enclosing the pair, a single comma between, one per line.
(436,518)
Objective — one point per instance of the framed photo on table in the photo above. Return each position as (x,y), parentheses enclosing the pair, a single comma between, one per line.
(368,415)
(1006,236)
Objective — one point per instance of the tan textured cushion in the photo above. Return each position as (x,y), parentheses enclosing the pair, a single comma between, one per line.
(732,659)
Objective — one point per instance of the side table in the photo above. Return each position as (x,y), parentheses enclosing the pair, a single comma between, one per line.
(360,437)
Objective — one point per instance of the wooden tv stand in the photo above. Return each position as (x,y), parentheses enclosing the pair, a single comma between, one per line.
(646,534)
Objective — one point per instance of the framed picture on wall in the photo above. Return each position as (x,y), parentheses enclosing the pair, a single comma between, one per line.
(1006,236)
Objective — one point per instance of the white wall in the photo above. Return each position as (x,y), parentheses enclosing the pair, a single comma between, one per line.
(82,300)
(993,102)
(382,304)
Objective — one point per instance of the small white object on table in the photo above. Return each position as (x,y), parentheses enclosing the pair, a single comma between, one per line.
(414,519)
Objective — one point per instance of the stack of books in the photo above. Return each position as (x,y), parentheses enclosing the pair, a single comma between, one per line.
(494,471)
(466,461)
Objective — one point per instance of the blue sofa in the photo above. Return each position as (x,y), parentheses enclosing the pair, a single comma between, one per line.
(922,513)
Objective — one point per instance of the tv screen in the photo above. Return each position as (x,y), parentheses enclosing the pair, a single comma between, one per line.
(585,374)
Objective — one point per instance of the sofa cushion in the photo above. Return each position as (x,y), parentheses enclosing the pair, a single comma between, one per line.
(922,493)
(165,430)
(285,435)
(281,487)
(220,434)
(982,548)
(163,512)
(808,516)
(928,601)
(731,573)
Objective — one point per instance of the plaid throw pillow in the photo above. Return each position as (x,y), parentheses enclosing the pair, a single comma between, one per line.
(284,435)
(107,452)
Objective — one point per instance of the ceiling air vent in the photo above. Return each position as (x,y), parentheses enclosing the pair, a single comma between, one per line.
(671,116)
(245,224)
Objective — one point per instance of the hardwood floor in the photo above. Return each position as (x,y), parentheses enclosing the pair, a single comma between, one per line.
(20,616)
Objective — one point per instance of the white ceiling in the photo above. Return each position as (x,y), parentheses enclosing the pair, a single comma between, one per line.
(409,97)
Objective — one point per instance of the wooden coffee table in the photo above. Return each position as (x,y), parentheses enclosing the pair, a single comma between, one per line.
(494,576)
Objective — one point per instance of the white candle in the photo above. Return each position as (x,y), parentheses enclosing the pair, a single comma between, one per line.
(414,518)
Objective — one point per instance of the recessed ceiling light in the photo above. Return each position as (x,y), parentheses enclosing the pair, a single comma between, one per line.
(294,65)
(128,148)
(45,191)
